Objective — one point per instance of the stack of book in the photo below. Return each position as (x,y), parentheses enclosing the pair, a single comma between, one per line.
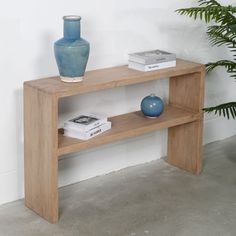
(151,60)
(86,126)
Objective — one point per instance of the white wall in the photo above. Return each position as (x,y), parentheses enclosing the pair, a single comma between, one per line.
(114,28)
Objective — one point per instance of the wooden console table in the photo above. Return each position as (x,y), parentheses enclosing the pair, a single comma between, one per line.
(43,143)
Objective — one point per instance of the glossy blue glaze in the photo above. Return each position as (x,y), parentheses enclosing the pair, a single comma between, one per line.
(152,106)
(71,51)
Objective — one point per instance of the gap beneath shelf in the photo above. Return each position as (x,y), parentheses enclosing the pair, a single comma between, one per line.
(126,126)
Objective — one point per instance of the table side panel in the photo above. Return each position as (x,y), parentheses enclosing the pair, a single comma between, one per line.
(185,146)
(40,147)
(185,141)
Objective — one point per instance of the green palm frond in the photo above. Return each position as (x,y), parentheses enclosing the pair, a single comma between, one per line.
(220,29)
(230,66)
(220,35)
(211,3)
(218,13)
(223,32)
(229,29)
(227,110)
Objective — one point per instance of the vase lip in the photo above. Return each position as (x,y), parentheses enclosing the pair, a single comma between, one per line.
(72,18)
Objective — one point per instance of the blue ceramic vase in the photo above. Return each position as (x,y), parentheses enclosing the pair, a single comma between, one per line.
(152,106)
(71,51)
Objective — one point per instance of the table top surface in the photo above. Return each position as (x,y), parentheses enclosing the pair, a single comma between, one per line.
(110,78)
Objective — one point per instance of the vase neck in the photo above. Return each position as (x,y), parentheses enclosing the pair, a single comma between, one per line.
(72,27)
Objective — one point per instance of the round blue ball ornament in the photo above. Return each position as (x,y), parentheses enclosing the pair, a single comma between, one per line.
(152,106)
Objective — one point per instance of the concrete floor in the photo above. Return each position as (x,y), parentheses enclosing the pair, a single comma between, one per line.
(154,199)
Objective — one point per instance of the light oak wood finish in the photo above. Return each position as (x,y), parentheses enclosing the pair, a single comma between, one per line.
(185,146)
(110,78)
(185,141)
(126,126)
(44,144)
(41,160)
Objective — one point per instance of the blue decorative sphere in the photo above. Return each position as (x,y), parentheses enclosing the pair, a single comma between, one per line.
(152,106)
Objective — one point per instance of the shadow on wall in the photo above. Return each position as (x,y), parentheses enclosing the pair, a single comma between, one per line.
(189,43)
(45,64)
(19,141)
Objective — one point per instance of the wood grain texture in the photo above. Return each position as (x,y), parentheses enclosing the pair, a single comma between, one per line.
(110,78)
(43,144)
(185,146)
(187,91)
(126,126)
(185,141)
(40,147)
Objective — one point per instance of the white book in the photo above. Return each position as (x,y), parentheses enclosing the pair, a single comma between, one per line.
(152,57)
(73,133)
(151,67)
(85,122)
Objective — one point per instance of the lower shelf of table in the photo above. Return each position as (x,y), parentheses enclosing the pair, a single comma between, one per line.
(126,126)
